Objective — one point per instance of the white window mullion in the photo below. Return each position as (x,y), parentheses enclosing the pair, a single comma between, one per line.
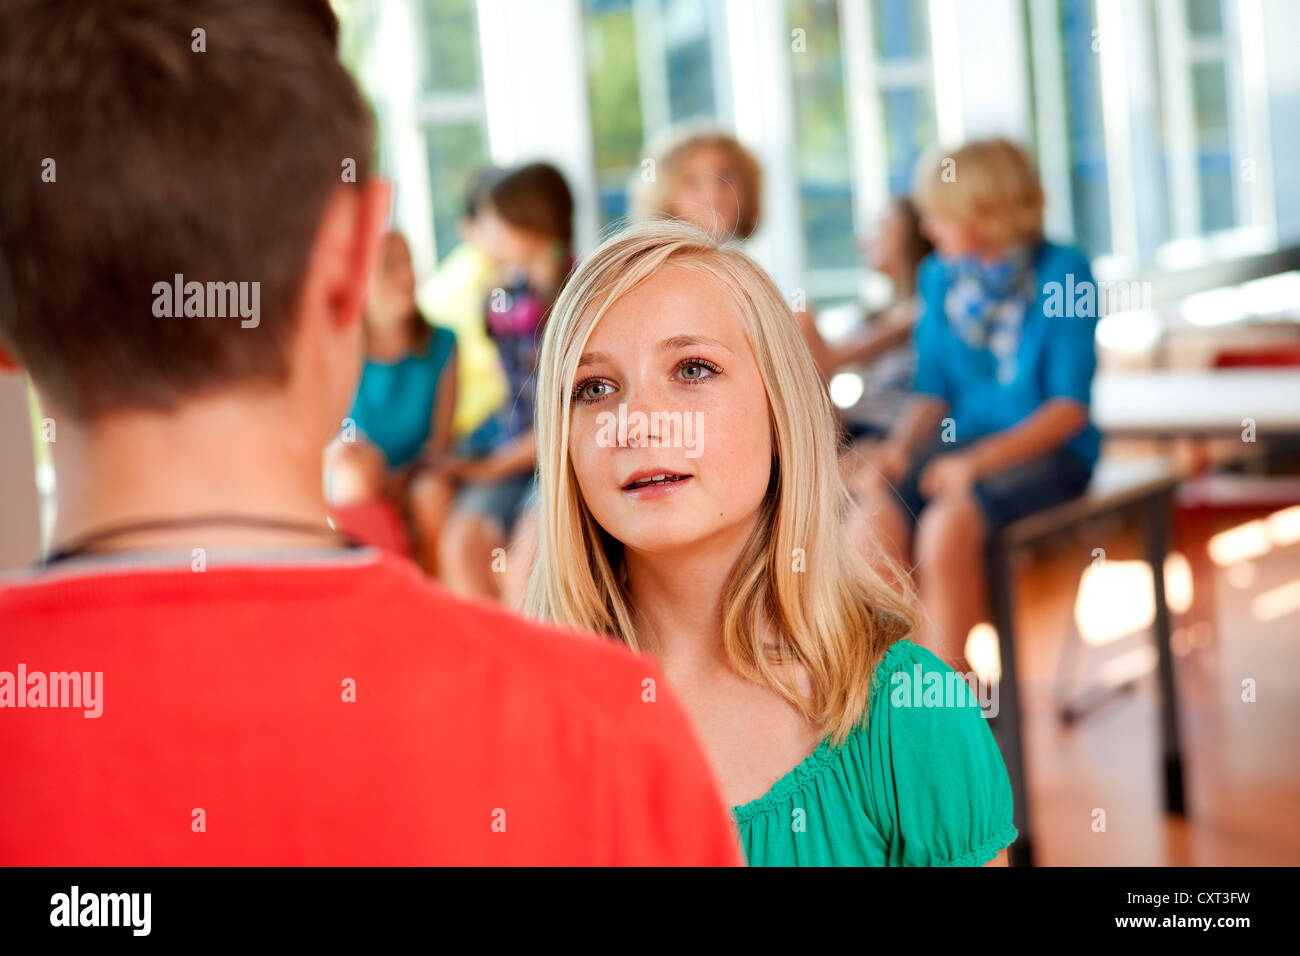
(651,68)
(1117,123)
(944,45)
(1149,187)
(1248,89)
(390,71)
(1180,121)
(870,175)
(721,58)
(535,91)
(1051,116)
(763,101)
(495,70)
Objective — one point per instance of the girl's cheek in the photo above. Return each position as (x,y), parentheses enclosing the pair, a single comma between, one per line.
(738,433)
(584,453)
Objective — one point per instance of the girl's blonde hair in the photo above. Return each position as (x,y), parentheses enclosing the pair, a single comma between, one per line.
(653,198)
(798,575)
(990,184)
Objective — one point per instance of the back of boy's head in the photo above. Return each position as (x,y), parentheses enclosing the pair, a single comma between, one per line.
(137,148)
(534,197)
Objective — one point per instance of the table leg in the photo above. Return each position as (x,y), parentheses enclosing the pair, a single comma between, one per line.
(1157,547)
(1007,725)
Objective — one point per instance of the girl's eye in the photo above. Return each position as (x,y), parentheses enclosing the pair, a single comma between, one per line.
(697,370)
(590,391)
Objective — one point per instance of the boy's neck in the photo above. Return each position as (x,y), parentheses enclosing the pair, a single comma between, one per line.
(235,454)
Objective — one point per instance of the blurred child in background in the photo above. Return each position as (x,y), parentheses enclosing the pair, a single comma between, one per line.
(998,427)
(526,226)
(402,414)
(705,177)
(884,344)
(453,297)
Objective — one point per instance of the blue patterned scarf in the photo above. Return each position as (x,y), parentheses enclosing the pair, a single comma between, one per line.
(987,302)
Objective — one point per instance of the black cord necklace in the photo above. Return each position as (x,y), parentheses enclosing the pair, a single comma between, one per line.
(84,545)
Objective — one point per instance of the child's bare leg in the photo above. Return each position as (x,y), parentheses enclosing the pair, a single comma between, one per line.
(465,554)
(357,472)
(950,565)
(856,468)
(878,527)
(523,552)
(430,498)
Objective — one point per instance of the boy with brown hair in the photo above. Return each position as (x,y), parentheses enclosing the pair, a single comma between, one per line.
(204,673)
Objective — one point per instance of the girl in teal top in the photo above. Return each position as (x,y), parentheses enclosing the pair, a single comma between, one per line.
(691,505)
(397,399)
(400,420)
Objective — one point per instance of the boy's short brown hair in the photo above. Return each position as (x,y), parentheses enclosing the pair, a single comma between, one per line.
(136,148)
(990,184)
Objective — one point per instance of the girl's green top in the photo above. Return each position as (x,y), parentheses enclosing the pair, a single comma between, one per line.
(920,782)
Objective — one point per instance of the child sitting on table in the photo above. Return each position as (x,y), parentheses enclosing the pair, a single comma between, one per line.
(882,347)
(998,427)
(401,415)
(453,297)
(526,225)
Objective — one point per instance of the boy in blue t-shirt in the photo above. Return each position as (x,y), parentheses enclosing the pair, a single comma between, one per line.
(998,425)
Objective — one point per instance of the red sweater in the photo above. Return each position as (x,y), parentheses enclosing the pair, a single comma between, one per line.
(342,711)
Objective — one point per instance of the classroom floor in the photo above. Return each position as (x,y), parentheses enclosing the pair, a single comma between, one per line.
(1242,759)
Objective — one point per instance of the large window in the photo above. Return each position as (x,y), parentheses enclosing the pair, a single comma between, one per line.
(823,151)
(864,112)
(650,64)
(1064,47)
(1141,123)
(901,29)
(450,109)
(418,62)
(1197,67)
(1149,120)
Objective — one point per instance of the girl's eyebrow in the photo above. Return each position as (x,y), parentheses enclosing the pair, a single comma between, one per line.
(667,345)
(687,341)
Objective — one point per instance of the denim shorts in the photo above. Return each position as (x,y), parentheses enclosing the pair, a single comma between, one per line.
(1010,494)
(502,500)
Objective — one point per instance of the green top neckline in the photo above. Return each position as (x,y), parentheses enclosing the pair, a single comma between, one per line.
(918,782)
(805,770)
(809,767)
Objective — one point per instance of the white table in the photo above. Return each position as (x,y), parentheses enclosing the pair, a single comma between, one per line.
(1201,402)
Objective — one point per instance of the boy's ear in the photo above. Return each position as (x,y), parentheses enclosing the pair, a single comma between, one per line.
(343,255)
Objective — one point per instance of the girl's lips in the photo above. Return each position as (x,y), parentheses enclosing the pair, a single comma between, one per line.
(659,489)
